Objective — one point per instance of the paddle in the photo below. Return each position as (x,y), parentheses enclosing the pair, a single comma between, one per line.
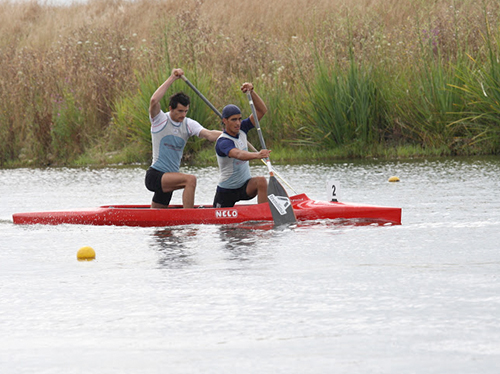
(274,170)
(183,77)
(279,202)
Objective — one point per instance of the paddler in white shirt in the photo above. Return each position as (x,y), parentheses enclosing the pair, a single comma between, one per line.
(169,134)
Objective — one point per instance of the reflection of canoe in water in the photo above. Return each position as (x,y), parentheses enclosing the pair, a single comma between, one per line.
(142,215)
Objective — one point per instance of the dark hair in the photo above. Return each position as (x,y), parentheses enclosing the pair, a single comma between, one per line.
(179,98)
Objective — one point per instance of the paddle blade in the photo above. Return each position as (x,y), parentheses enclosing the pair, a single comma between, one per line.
(279,202)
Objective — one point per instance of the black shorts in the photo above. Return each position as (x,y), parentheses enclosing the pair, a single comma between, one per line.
(153,183)
(226,198)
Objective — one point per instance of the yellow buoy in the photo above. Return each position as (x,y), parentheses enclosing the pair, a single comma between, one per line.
(393,179)
(85,254)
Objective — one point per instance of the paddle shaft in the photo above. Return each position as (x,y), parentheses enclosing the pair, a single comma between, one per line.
(256,119)
(183,77)
(274,170)
(259,131)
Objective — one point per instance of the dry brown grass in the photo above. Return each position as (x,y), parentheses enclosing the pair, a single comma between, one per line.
(235,36)
(89,54)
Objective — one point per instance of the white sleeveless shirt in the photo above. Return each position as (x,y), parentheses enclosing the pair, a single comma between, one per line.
(233,172)
(169,139)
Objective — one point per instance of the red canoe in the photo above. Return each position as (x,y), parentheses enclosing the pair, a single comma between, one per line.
(142,215)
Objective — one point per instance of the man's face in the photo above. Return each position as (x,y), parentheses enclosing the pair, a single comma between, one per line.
(178,114)
(233,124)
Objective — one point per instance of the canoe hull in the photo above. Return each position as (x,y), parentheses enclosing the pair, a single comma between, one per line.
(142,215)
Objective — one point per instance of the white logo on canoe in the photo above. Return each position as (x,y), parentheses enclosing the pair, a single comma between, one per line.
(281,203)
(226,213)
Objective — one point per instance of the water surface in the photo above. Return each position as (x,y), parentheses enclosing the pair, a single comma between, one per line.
(322,297)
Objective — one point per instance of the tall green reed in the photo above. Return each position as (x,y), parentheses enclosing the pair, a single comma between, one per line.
(344,107)
(277,92)
(425,104)
(67,130)
(479,83)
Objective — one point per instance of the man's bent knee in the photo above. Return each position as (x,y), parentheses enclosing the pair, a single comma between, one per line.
(191,180)
(261,182)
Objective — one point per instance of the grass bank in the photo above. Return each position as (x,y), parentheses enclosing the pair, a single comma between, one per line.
(341,79)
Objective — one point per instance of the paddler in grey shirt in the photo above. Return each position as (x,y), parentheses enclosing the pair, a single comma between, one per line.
(235,181)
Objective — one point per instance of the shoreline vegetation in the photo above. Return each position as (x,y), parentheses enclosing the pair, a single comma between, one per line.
(341,79)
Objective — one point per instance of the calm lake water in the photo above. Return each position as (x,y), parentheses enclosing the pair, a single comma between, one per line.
(423,297)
